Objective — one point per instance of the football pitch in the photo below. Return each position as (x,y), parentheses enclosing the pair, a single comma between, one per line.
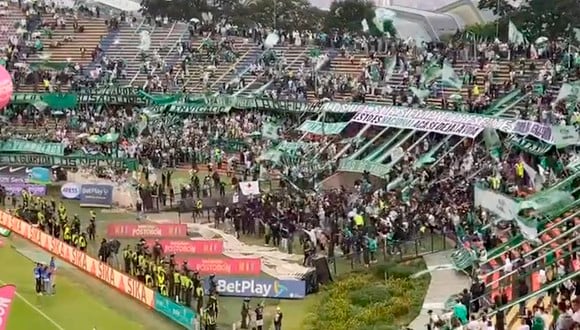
(79,303)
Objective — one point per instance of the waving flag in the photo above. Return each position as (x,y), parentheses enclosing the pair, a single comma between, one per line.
(7,293)
(514,35)
(450,78)
(389,63)
(432,72)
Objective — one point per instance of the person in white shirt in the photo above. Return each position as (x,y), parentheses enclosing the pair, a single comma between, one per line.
(524,326)
(474,324)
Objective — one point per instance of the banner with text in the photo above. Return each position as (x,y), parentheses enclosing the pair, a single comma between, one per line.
(258,287)
(135,230)
(175,312)
(102,271)
(96,195)
(193,246)
(24,146)
(456,123)
(237,266)
(360,166)
(67,161)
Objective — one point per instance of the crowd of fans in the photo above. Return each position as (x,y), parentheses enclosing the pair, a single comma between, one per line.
(418,199)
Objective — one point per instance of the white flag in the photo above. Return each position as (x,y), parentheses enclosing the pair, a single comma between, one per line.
(449,77)
(514,35)
(568,90)
(250,188)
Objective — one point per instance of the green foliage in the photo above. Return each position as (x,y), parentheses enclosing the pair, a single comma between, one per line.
(346,15)
(538,18)
(368,301)
(175,9)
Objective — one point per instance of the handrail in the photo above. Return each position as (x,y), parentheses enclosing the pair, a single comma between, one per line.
(300,56)
(489,299)
(139,54)
(357,153)
(500,249)
(568,232)
(169,52)
(232,67)
(553,284)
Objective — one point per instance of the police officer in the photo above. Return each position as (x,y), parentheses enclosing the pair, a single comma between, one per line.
(210,320)
(259,316)
(76,223)
(83,242)
(245,313)
(176,285)
(75,239)
(127,254)
(212,285)
(199,297)
(67,234)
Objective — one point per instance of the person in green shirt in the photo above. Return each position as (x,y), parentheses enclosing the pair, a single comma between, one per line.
(460,311)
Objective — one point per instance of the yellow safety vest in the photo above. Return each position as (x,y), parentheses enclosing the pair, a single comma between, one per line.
(520,170)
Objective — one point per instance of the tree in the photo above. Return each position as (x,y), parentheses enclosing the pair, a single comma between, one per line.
(280,14)
(175,9)
(347,15)
(536,18)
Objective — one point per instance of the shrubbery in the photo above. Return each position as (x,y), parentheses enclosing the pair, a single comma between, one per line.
(383,298)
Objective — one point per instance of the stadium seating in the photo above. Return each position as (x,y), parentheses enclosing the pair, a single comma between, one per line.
(61,50)
(294,55)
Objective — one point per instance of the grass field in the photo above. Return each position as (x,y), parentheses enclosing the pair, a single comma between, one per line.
(74,306)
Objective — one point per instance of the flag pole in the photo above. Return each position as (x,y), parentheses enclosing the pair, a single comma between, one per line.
(497,22)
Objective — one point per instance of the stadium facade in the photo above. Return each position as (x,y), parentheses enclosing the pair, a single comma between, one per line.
(429,20)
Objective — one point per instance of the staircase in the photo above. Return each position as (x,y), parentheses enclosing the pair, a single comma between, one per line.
(69,51)
(294,55)
(163,41)
(125,47)
(240,68)
(194,78)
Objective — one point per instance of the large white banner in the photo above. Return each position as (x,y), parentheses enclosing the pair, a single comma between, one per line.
(496,203)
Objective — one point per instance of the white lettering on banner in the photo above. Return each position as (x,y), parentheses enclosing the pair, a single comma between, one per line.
(442,127)
(241,287)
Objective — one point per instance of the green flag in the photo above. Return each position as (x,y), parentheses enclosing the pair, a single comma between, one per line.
(4,232)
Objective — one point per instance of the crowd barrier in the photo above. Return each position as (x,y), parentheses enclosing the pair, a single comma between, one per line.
(125,284)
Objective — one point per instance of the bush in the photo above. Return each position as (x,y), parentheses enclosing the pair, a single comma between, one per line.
(370,295)
(369,301)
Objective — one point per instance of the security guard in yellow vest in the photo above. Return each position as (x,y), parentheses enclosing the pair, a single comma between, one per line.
(161,275)
(184,287)
(83,242)
(210,319)
(127,258)
(163,290)
(199,207)
(41,220)
(67,234)
(149,281)
(495,183)
(75,240)
(135,263)
(199,297)
(176,285)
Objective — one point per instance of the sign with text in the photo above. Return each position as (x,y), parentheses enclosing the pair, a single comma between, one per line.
(192,246)
(136,230)
(80,260)
(96,195)
(67,161)
(15,189)
(175,312)
(455,123)
(238,266)
(259,287)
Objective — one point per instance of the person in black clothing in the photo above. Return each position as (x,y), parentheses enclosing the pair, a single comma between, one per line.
(259,317)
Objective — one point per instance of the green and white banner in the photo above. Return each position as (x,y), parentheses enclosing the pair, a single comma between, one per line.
(67,161)
(322,128)
(360,166)
(270,131)
(24,146)
(496,203)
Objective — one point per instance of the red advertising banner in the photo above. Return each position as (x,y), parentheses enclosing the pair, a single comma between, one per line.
(193,246)
(241,266)
(137,230)
(91,266)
